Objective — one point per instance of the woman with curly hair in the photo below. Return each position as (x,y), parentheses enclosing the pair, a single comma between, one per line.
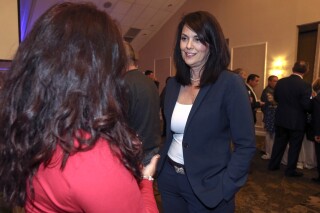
(64,142)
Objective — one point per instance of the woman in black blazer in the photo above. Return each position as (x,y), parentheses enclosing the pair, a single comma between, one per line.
(206,108)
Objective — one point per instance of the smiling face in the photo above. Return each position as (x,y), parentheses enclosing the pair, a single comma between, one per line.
(194,53)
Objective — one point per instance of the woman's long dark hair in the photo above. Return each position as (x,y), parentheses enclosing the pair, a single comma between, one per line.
(210,34)
(65,77)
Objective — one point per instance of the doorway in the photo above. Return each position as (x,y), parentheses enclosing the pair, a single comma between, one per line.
(307,49)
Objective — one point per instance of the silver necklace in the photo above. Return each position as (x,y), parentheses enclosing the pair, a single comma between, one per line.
(195,79)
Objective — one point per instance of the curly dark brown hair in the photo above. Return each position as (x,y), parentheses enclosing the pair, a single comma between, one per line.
(65,77)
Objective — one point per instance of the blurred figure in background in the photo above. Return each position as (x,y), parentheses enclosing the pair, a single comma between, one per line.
(243,74)
(143,106)
(65,145)
(293,97)
(151,75)
(269,110)
(252,82)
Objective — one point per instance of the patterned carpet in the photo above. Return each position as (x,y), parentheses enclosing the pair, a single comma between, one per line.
(271,191)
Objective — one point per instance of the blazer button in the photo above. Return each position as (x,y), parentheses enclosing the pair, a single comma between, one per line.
(185,145)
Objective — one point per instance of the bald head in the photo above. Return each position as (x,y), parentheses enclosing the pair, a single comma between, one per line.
(300,67)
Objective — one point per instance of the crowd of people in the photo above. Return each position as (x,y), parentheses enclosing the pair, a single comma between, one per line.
(288,105)
(80,126)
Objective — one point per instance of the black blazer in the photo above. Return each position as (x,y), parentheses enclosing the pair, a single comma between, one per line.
(293,97)
(220,114)
(255,104)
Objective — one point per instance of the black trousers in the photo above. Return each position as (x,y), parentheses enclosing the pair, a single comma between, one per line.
(283,136)
(177,195)
(317,149)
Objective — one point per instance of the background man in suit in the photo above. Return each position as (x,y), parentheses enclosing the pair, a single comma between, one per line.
(252,82)
(293,97)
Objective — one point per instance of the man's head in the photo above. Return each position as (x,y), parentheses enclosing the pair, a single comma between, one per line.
(300,67)
(272,81)
(243,74)
(131,56)
(253,80)
(150,74)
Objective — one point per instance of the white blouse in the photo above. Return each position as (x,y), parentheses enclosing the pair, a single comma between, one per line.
(178,123)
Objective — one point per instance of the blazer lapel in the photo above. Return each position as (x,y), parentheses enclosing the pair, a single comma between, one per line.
(172,99)
(174,93)
(199,99)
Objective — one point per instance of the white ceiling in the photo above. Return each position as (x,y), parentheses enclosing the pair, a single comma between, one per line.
(147,15)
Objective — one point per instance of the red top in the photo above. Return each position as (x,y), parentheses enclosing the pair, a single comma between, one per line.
(92,181)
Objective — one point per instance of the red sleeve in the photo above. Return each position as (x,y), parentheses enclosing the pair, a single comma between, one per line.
(146,188)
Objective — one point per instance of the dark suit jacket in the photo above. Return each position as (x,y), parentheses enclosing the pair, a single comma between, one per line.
(293,97)
(316,115)
(254,104)
(220,114)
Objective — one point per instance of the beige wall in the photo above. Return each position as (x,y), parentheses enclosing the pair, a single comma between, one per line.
(9,33)
(244,22)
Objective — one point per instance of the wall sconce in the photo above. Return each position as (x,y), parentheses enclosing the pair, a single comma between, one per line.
(278,67)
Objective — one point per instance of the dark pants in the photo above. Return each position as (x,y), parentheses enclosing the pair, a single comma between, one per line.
(283,136)
(317,149)
(178,196)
